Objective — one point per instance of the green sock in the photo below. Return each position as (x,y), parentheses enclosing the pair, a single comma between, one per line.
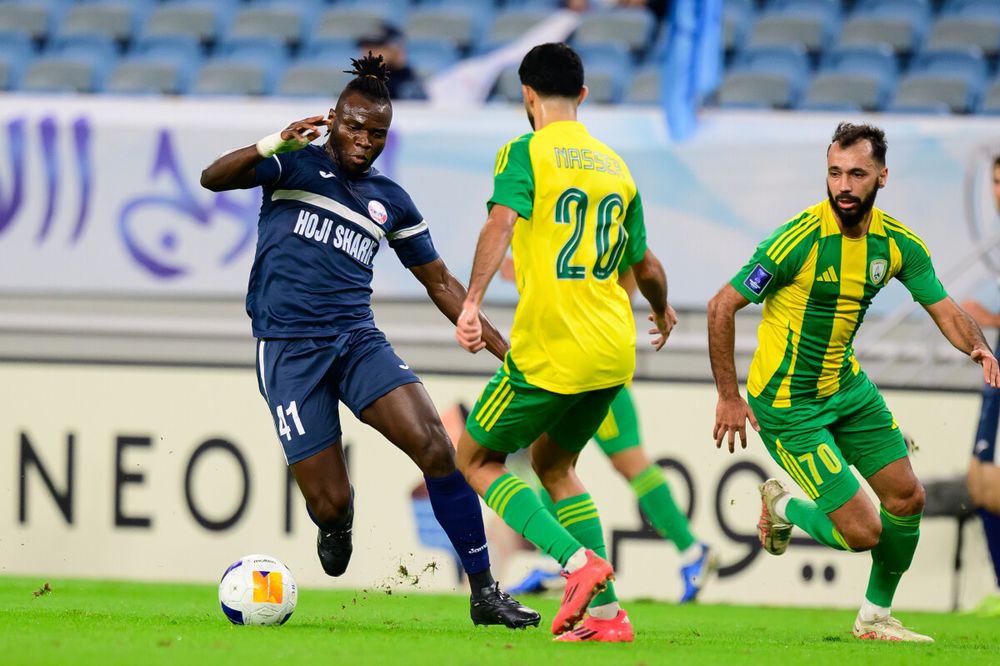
(578,515)
(518,505)
(892,556)
(658,505)
(808,516)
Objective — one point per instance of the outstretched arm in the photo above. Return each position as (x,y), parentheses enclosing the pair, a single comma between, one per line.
(731,411)
(235,169)
(652,282)
(448,295)
(964,333)
(494,239)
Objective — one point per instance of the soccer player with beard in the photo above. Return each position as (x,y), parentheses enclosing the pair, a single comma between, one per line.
(814,408)
(325,210)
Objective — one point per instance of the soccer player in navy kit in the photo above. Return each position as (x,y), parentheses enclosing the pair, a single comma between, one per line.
(324,211)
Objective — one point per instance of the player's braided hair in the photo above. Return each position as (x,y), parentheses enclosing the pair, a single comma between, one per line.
(371,73)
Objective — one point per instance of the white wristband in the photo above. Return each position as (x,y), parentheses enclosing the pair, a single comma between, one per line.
(273,143)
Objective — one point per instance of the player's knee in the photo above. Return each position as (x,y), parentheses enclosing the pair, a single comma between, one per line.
(330,507)
(435,455)
(864,536)
(910,502)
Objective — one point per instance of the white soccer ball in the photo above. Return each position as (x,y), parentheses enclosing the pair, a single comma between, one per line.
(257,589)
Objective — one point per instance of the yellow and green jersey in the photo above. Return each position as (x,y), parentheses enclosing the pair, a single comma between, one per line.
(816,285)
(579,221)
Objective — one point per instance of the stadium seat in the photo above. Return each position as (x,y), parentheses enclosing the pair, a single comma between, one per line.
(454,25)
(29,20)
(990,102)
(283,22)
(146,75)
(313,79)
(829,90)
(966,63)
(986,8)
(771,76)
(629,28)
(429,57)
(116,19)
(511,24)
(960,30)
(898,23)
(876,59)
(735,23)
(246,70)
(508,86)
(931,90)
(830,107)
(921,108)
(183,48)
(810,23)
(201,20)
(347,23)
(336,52)
(100,52)
(645,86)
(62,74)
(16,50)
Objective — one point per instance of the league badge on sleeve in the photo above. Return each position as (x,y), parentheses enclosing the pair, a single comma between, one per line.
(758,279)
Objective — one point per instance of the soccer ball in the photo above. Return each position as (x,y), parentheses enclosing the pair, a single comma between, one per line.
(257,589)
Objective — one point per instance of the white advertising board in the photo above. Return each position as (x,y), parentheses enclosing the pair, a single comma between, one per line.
(172,473)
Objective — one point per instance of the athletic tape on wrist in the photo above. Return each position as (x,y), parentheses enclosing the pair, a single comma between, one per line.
(273,143)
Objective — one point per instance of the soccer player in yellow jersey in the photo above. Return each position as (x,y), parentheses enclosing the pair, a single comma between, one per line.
(571,208)
(816,411)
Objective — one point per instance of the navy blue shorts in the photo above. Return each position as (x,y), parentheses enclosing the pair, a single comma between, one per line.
(303,380)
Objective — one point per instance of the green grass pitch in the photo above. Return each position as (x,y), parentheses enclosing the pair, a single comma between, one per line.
(98,622)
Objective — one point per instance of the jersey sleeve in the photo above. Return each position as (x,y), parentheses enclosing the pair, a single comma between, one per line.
(635,227)
(513,179)
(410,239)
(774,263)
(917,272)
(270,172)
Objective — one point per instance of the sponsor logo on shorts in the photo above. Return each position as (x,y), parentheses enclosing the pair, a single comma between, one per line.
(758,279)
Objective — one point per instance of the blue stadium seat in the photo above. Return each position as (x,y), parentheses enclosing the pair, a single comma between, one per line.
(253,49)
(645,86)
(429,57)
(150,74)
(59,74)
(313,79)
(811,23)
(202,20)
(179,47)
(117,19)
(929,89)
(32,21)
(16,50)
(765,77)
(901,24)
(510,24)
(986,8)
(828,90)
(268,22)
(736,20)
(458,26)
(990,101)
(239,73)
(631,29)
(347,22)
(332,51)
(878,60)
(97,51)
(921,108)
(959,30)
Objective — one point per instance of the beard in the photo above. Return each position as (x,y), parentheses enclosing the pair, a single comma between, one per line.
(852,218)
(531,116)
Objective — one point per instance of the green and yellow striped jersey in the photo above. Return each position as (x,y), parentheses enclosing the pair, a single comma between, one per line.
(579,220)
(816,285)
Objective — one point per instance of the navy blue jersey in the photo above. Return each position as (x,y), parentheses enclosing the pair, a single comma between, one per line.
(316,240)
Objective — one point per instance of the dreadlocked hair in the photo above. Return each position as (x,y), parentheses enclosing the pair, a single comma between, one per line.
(371,73)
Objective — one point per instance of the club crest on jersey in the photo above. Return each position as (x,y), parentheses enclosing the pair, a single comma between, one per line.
(377,211)
(876,270)
(758,279)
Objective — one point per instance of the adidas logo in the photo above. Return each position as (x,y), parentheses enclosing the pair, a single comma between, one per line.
(829,275)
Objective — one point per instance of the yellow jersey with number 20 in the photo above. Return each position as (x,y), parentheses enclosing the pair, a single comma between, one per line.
(579,223)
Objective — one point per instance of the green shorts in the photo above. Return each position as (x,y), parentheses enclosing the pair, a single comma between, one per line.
(620,428)
(816,441)
(510,413)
